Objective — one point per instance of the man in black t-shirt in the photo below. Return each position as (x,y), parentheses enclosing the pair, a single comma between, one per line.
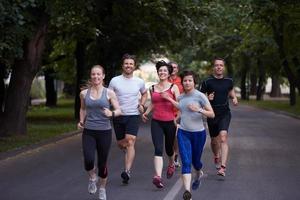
(218,88)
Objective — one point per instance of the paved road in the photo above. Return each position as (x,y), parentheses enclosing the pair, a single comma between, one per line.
(264,164)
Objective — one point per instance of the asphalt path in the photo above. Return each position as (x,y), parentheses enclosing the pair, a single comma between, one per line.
(264,164)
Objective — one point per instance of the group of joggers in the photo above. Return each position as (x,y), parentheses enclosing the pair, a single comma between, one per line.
(177,127)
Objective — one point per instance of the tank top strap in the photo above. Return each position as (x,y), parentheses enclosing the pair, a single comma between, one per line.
(105,95)
(171,86)
(88,93)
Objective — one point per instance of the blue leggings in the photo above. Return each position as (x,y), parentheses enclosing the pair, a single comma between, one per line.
(190,148)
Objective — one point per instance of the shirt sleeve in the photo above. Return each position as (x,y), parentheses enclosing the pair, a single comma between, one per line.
(203,100)
(142,87)
(111,84)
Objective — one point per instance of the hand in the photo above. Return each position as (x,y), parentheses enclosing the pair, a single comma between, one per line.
(145,117)
(141,108)
(165,95)
(194,107)
(235,101)
(80,125)
(107,112)
(211,96)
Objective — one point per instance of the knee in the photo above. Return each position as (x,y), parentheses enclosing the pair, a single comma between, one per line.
(223,137)
(130,140)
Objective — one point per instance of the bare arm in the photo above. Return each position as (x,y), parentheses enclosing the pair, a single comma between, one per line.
(143,100)
(167,97)
(145,114)
(82,111)
(232,95)
(114,102)
(206,110)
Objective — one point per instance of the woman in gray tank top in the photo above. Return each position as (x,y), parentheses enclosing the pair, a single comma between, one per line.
(95,118)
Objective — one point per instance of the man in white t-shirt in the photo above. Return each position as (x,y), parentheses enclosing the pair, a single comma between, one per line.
(128,90)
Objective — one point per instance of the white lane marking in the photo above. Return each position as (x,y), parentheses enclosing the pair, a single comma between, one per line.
(174,190)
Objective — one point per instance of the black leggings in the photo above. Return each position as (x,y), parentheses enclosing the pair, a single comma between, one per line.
(159,129)
(100,141)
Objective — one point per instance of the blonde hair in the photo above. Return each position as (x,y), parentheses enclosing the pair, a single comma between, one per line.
(88,83)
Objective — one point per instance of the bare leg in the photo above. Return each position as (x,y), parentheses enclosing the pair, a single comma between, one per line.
(92,174)
(224,147)
(130,151)
(158,165)
(186,179)
(215,146)
(102,182)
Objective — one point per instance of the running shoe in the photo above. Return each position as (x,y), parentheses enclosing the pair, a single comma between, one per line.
(92,187)
(102,194)
(221,171)
(176,162)
(217,162)
(187,195)
(170,171)
(157,182)
(125,176)
(197,182)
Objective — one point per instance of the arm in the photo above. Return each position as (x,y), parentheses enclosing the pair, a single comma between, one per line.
(145,114)
(82,111)
(114,102)
(167,97)
(232,95)
(206,110)
(142,102)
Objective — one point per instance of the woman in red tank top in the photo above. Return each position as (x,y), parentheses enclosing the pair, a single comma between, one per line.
(163,127)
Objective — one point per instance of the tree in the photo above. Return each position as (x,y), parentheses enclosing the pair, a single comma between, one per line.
(23,71)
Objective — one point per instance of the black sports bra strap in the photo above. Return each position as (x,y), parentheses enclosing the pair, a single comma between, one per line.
(171,86)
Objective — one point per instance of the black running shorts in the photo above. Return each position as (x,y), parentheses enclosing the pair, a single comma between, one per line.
(126,125)
(219,123)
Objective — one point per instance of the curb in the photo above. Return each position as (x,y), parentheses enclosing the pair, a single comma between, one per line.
(15,152)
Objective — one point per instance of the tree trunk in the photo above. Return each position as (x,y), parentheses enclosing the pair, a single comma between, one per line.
(278,37)
(253,82)
(292,94)
(80,68)
(297,66)
(13,120)
(51,93)
(2,87)
(244,72)
(275,90)
(261,81)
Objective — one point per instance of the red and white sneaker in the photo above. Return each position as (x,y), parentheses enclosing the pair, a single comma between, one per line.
(157,182)
(221,171)
(170,171)
(217,161)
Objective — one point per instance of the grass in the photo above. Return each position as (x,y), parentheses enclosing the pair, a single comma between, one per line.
(281,105)
(43,123)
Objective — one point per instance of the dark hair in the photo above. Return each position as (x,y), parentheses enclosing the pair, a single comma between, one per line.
(128,56)
(188,73)
(217,58)
(161,63)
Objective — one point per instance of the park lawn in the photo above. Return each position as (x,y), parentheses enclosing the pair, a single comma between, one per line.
(280,105)
(43,123)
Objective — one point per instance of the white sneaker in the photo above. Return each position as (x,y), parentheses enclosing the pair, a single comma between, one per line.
(92,187)
(102,194)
